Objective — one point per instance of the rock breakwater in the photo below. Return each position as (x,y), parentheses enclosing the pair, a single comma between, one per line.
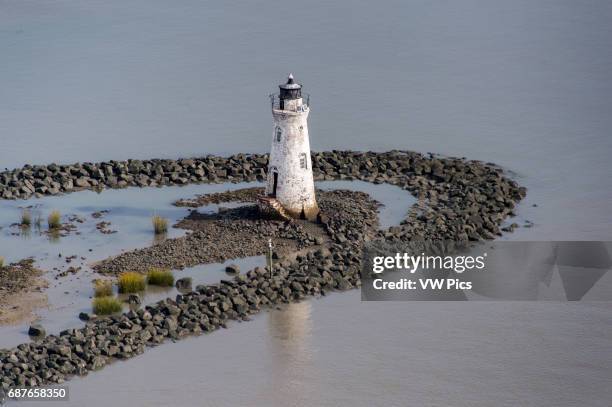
(458,200)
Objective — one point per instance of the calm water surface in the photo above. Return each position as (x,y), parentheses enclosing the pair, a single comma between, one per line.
(525,84)
(129,212)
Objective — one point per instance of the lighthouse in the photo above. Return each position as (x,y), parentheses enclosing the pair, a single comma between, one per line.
(290,184)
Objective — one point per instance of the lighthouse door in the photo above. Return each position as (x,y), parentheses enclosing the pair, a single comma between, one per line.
(275,185)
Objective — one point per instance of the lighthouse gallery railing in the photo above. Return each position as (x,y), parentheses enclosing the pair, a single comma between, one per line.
(275,101)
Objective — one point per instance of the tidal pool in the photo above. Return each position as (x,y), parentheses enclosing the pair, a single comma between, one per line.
(129,213)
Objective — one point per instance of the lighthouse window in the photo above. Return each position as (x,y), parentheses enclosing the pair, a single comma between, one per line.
(278,133)
(303,161)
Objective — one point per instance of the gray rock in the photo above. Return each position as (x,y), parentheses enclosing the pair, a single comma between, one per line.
(170,324)
(82,182)
(36,330)
(98,362)
(183,283)
(84,316)
(232,269)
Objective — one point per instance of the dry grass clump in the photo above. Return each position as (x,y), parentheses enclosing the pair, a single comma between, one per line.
(54,221)
(26,217)
(160,225)
(106,305)
(1,262)
(161,277)
(103,288)
(131,282)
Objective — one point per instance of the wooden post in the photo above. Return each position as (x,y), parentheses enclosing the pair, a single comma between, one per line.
(270,254)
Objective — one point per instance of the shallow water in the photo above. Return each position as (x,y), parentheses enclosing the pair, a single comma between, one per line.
(339,351)
(129,212)
(525,84)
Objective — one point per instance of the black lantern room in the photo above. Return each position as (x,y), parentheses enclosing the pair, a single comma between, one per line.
(290,90)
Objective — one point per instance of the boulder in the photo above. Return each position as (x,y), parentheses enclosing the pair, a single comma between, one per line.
(183,283)
(170,324)
(232,269)
(84,316)
(82,182)
(37,330)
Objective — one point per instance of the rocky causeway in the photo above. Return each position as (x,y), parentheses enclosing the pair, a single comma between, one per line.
(458,200)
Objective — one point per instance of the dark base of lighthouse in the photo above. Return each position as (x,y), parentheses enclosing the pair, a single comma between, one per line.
(311,213)
(271,208)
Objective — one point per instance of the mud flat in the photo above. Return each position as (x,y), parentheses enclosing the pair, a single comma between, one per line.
(458,200)
(21,289)
(214,238)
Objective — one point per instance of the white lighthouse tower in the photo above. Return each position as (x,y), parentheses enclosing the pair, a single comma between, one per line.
(290,181)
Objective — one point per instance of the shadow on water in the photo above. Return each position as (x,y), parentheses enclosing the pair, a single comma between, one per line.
(290,331)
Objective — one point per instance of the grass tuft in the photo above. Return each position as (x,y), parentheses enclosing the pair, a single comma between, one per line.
(103,288)
(106,305)
(1,262)
(161,277)
(54,220)
(131,282)
(26,217)
(160,225)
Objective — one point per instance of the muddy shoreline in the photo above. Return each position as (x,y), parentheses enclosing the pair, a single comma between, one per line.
(228,234)
(458,200)
(21,290)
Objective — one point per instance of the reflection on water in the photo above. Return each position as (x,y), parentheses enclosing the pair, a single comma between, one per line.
(374,354)
(54,236)
(290,330)
(25,231)
(291,351)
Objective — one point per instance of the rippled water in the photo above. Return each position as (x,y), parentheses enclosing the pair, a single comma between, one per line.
(525,84)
